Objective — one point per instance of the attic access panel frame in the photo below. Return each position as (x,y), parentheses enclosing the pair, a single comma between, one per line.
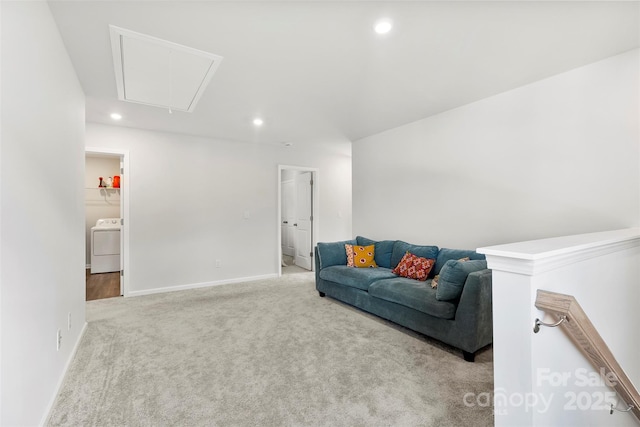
(177,75)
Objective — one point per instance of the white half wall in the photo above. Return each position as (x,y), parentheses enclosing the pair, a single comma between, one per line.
(542,379)
(188,199)
(41,210)
(556,157)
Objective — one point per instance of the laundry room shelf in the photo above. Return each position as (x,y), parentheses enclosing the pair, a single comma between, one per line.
(110,189)
(103,195)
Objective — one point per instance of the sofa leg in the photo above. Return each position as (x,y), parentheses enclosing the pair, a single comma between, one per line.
(469,357)
(322,294)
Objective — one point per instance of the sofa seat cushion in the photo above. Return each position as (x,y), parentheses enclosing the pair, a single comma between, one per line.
(413,294)
(359,278)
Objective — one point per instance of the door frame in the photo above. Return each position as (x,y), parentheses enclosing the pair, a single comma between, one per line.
(315,173)
(282,185)
(124,210)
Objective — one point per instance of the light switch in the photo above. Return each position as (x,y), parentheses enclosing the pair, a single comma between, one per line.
(247,214)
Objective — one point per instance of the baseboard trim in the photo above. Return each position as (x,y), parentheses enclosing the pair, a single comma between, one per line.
(199,285)
(72,355)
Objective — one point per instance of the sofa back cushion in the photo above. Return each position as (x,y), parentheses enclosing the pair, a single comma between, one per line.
(446,254)
(333,253)
(383,250)
(453,277)
(400,248)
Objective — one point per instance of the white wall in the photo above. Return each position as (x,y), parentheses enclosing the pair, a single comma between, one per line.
(188,196)
(96,166)
(559,385)
(99,203)
(556,157)
(42,212)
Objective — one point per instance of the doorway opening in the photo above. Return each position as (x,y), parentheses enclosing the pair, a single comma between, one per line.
(106,225)
(297,218)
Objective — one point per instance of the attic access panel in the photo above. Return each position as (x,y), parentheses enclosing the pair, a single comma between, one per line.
(156,72)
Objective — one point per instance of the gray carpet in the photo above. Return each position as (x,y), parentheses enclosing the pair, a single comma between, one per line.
(266,353)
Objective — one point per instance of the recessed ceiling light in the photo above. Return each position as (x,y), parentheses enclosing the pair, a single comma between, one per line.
(383,26)
(116,116)
(258,121)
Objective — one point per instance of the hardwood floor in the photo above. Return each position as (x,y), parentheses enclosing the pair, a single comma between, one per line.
(102,285)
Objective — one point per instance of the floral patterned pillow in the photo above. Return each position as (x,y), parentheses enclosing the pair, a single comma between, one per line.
(349,249)
(414,267)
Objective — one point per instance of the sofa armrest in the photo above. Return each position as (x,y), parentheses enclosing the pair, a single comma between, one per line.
(474,315)
(317,262)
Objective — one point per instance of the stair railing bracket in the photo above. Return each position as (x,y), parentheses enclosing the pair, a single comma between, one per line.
(538,323)
(614,408)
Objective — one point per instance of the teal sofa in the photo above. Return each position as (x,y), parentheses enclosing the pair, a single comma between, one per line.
(462,319)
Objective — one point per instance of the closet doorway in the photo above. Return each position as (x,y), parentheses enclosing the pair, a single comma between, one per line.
(297,218)
(106,226)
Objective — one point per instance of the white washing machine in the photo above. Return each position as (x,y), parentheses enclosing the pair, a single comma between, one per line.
(105,246)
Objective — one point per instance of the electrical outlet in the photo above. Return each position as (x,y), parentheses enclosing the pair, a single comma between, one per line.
(59,339)
(218,263)
(69,321)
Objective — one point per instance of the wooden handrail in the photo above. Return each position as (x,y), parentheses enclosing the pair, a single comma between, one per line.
(586,337)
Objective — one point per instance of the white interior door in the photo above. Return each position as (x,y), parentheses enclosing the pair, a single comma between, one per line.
(288,217)
(303,224)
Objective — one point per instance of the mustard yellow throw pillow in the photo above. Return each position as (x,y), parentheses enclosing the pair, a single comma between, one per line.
(363,256)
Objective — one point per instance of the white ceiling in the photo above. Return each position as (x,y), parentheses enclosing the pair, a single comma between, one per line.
(316,71)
